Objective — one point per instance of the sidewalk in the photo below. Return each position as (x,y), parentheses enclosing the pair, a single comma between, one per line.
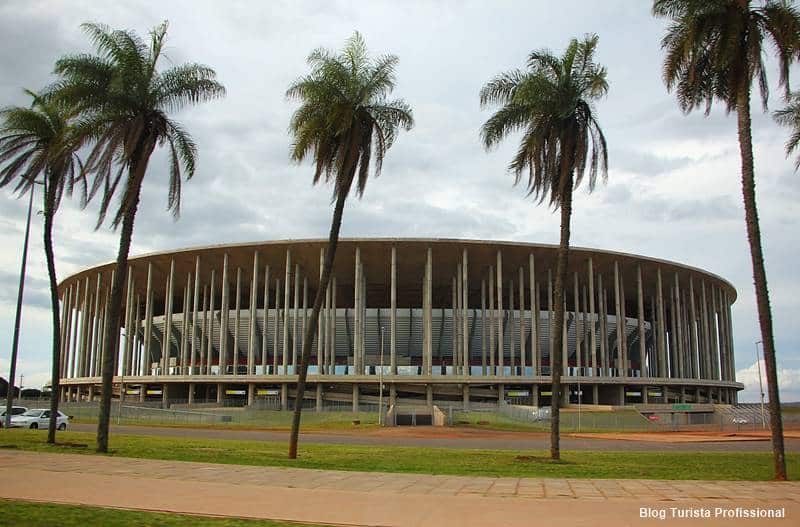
(379,499)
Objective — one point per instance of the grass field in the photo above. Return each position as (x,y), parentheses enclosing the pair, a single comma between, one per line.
(250,420)
(630,465)
(25,513)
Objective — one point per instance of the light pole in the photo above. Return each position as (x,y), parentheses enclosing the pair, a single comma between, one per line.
(380,384)
(18,317)
(760,386)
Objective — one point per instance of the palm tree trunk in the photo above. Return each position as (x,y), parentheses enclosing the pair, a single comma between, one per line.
(115,303)
(330,253)
(760,280)
(558,322)
(17,319)
(49,212)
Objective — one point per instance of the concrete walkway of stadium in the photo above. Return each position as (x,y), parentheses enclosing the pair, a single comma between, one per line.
(378,499)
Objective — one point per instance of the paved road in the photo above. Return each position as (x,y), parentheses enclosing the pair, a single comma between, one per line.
(447,438)
(381,499)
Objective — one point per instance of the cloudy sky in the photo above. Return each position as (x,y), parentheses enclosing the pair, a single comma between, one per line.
(673,189)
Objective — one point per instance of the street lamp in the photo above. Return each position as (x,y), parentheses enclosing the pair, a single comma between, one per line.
(18,317)
(380,384)
(760,386)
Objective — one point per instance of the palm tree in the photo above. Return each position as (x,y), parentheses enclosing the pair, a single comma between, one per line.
(790,116)
(35,142)
(715,50)
(344,122)
(123,102)
(551,103)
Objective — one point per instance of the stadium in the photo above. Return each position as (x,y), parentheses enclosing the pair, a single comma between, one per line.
(419,320)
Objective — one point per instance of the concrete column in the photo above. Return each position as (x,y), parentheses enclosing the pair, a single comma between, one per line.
(137,341)
(624,325)
(127,346)
(645,400)
(165,350)
(693,348)
(264,357)
(465,313)
(356,402)
(321,357)
(662,344)
(501,393)
(492,317)
(577,324)
(220,393)
(535,395)
(295,305)
(673,332)
(237,319)
(142,393)
(731,355)
(332,362)
(210,324)
(429,395)
(327,355)
(74,323)
(665,394)
(276,332)
(428,342)
(392,395)
(95,344)
(705,347)
(284,396)
(186,313)
(454,325)
(251,394)
(193,348)
(592,338)
(621,395)
(500,314)
(363,328)
(357,314)
(603,368)
(319,398)
(511,333)
(534,315)
(286,301)
(617,317)
(190,400)
(640,322)
(712,323)
(683,394)
(393,315)
(465,394)
(253,326)
(483,327)
(595,394)
(522,330)
(224,318)
(678,328)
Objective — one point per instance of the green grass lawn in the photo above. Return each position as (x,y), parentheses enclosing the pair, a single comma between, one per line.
(25,513)
(252,420)
(633,465)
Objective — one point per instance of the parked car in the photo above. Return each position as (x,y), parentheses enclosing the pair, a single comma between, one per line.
(15,410)
(38,418)
(739,421)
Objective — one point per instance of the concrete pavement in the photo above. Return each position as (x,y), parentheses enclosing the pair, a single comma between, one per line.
(382,499)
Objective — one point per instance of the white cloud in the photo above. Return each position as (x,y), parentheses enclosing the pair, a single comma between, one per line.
(788,383)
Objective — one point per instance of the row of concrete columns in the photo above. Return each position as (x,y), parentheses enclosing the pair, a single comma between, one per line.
(690,324)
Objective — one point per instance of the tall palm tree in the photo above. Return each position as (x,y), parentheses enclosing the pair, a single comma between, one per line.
(36,142)
(344,122)
(790,116)
(714,51)
(551,103)
(123,102)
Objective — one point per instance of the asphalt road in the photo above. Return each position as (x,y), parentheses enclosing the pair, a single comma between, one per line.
(419,437)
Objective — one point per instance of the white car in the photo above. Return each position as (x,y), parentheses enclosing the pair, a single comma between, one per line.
(38,418)
(15,410)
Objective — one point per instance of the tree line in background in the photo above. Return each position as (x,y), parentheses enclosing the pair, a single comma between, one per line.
(114,106)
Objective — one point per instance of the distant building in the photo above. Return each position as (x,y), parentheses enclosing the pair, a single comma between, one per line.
(432,319)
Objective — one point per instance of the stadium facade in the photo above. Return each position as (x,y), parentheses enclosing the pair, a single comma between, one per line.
(425,319)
